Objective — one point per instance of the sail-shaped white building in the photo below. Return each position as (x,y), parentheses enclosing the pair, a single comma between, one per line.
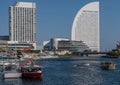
(86,26)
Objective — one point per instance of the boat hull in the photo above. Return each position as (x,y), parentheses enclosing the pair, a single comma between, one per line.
(31,75)
(12,75)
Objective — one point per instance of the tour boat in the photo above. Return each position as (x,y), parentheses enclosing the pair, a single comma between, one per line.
(31,70)
(108,65)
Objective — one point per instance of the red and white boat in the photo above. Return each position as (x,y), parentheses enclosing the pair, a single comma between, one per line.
(31,70)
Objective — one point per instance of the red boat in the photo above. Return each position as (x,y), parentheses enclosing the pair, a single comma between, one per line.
(31,70)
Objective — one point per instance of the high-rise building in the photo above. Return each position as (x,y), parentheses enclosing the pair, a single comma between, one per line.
(86,26)
(22,22)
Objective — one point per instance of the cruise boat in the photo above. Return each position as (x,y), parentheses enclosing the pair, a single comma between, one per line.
(31,70)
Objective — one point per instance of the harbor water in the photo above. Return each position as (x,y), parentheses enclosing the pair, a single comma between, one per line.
(63,71)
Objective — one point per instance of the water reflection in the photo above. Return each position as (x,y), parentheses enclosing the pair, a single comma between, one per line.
(32,81)
(12,82)
(62,71)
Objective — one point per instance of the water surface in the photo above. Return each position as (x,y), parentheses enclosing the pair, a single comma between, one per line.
(62,71)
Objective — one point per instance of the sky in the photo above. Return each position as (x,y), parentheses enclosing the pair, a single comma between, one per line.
(55,19)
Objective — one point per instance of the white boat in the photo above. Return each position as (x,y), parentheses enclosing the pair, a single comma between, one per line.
(11,71)
(83,64)
(12,75)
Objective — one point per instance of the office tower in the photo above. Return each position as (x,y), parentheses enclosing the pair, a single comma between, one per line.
(23,22)
(86,26)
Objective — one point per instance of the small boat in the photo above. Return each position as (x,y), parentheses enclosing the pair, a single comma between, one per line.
(83,64)
(31,70)
(11,71)
(108,65)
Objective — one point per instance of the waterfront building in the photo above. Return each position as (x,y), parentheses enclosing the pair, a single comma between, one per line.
(62,44)
(55,41)
(73,46)
(15,45)
(22,23)
(52,44)
(86,26)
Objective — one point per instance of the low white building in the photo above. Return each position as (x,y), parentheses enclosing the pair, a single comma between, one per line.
(54,42)
(15,45)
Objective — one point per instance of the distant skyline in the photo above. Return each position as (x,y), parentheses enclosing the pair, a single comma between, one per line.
(55,19)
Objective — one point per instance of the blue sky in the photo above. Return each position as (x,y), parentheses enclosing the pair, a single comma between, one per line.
(55,18)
